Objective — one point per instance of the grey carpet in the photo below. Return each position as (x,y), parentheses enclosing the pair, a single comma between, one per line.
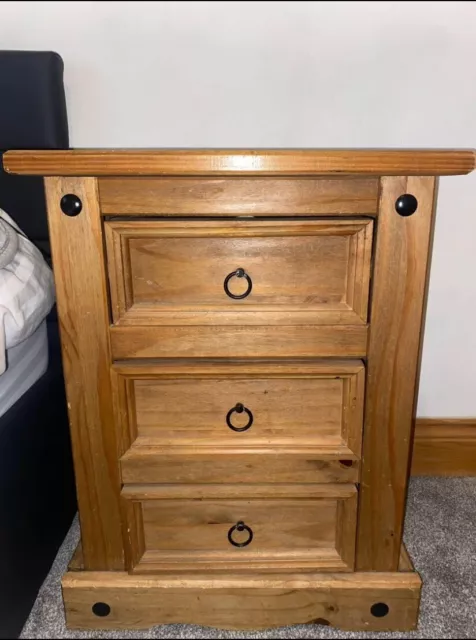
(441,539)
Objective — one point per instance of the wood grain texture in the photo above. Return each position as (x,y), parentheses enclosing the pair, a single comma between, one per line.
(83,317)
(197,458)
(284,410)
(225,491)
(238,196)
(405,562)
(133,532)
(346,529)
(169,369)
(294,527)
(444,447)
(320,404)
(239,342)
(286,534)
(217,162)
(353,410)
(248,601)
(123,398)
(153,464)
(322,559)
(399,288)
(303,272)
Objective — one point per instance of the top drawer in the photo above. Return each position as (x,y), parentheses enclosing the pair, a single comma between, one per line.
(239,272)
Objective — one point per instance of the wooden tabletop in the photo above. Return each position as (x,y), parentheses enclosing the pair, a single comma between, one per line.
(256,162)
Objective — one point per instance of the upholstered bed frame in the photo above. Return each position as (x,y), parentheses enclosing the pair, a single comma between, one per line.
(37,496)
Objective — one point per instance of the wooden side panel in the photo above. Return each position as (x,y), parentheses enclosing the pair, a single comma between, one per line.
(399,289)
(238,196)
(249,601)
(83,316)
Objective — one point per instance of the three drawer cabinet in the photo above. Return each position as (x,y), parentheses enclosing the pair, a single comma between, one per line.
(241,336)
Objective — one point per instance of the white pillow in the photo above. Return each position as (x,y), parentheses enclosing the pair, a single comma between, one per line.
(26,287)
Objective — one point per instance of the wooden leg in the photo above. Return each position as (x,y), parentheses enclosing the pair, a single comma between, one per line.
(398,295)
(84,319)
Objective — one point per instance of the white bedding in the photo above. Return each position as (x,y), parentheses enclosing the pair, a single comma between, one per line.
(26,287)
(26,363)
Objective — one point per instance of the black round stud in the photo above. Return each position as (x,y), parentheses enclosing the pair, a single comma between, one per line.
(379,610)
(101,609)
(406,204)
(71,205)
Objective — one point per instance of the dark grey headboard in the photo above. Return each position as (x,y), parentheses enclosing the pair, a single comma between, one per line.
(32,116)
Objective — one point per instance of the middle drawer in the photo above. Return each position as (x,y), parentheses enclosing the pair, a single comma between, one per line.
(312,410)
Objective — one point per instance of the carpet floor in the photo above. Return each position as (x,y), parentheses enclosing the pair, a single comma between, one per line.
(440,537)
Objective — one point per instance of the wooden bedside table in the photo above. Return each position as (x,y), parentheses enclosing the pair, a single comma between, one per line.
(241,339)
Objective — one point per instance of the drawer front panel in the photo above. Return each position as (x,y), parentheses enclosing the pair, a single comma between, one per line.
(315,530)
(254,412)
(340,341)
(174,273)
(188,196)
(177,525)
(149,464)
(290,404)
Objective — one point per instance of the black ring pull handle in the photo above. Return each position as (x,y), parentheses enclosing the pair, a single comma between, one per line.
(239,273)
(240,526)
(239,408)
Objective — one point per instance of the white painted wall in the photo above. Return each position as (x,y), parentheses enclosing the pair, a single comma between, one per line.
(309,74)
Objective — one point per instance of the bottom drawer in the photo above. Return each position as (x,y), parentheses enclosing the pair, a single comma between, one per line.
(267,527)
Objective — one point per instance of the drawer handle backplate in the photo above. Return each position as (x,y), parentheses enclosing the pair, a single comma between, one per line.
(240,526)
(239,273)
(239,408)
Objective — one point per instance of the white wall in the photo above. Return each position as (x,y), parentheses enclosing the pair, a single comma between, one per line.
(310,74)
